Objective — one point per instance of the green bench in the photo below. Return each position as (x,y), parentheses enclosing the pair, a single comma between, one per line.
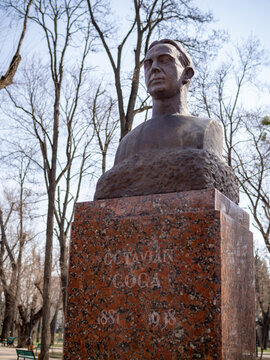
(9,341)
(25,354)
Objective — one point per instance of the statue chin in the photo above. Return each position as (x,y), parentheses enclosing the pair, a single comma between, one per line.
(165,171)
(160,94)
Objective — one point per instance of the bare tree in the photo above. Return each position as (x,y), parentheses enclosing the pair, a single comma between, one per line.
(9,289)
(254,173)
(7,79)
(262,292)
(27,323)
(246,132)
(53,122)
(14,235)
(29,298)
(159,17)
(218,92)
(103,115)
(78,165)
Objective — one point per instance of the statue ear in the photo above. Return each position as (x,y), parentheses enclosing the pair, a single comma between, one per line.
(188,74)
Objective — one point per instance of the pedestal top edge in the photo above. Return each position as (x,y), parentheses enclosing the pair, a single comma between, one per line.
(166,203)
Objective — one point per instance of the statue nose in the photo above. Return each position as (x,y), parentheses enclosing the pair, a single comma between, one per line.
(155,66)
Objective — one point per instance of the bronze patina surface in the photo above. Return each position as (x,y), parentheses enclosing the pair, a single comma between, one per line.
(172,151)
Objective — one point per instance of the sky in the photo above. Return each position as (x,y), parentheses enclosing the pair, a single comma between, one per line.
(242,17)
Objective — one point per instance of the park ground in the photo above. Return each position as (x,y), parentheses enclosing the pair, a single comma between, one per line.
(10,353)
(7,353)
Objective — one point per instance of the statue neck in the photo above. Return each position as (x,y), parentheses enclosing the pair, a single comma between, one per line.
(176,104)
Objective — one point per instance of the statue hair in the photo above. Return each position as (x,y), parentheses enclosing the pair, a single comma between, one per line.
(184,57)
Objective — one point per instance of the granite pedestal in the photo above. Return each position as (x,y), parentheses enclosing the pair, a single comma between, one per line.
(166,276)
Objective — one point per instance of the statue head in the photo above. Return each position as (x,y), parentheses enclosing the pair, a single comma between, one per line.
(168,69)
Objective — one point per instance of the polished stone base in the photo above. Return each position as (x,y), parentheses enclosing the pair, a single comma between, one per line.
(166,276)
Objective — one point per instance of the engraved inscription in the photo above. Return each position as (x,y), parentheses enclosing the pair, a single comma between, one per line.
(164,318)
(129,281)
(143,258)
(132,259)
(108,317)
(155,318)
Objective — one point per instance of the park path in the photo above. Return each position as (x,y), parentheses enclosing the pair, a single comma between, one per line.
(9,353)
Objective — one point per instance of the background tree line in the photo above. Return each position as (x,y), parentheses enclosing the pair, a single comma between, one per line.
(62,117)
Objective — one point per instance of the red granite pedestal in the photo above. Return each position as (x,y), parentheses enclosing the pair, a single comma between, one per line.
(167,276)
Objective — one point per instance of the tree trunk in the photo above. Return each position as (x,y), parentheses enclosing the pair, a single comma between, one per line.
(38,331)
(45,339)
(104,155)
(23,335)
(7,326)
(64,274)
(45,332)
(53,324)
(25,323)
(265,330)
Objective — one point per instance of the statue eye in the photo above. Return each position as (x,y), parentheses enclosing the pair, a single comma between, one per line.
(165,59)
(147,63)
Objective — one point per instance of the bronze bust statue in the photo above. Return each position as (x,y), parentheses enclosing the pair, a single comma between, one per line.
(173,151)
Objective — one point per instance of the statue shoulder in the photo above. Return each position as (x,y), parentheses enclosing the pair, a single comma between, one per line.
(213,137)
(209,133)
(128,143)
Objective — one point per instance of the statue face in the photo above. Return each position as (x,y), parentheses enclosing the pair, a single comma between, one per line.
(163,71)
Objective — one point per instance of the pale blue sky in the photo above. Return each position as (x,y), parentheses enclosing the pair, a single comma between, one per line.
(242,17)
(239,17)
